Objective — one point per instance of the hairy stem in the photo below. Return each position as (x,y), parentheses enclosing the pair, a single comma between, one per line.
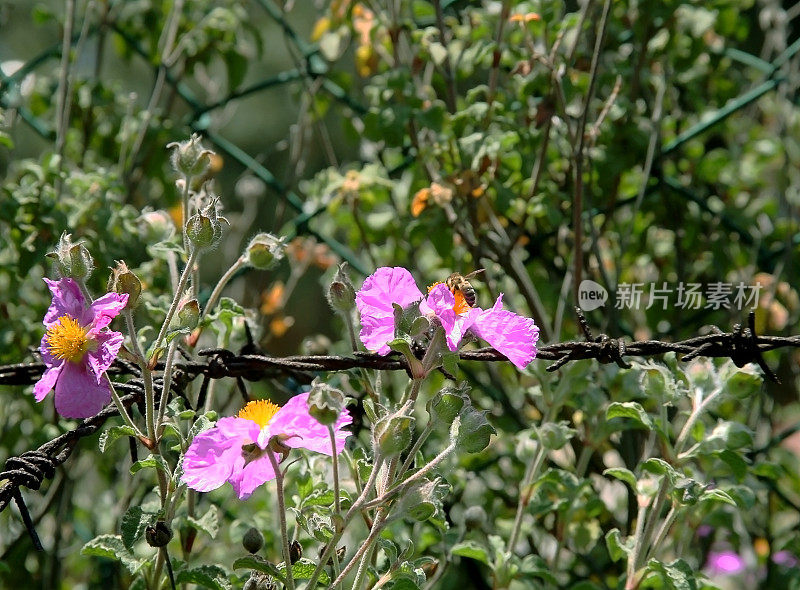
(282,519)
(187,271)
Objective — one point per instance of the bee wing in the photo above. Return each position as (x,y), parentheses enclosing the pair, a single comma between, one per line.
(474,272)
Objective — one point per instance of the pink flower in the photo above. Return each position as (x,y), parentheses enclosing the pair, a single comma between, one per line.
(510,334)
(235,450)
(724,563)
(374,301)
(78,348)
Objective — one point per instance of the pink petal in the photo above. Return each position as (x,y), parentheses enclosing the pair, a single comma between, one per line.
(78,394)
(105,309)
(47,357)
(513,335)
(108,345)
(252,475)
(215,455)
(374,301)
(67,300)
(294,421)
(47,382)
(440,302)
(377,329)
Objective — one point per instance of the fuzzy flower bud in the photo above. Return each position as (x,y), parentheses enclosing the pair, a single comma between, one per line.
(72,260)
(325,403)
(393,434)
(159,535)
(156,226)
(188,315)
(341,293)
(264,251)
(122,280)
(190,158)
(204,228)
(253,540)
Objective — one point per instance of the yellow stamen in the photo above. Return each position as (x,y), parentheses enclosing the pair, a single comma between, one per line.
(259,411)
(67,339)
(430,287)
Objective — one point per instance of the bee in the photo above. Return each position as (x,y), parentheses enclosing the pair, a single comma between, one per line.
(458,282)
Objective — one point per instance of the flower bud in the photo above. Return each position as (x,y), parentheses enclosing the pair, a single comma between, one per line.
(159,535)
(474,517)
(122,280)
(325,403)
(264,251)
(253,540)
(204,228)
(393,434)
(421,501)
(188,315)
(190,158)
(72,260)
(156,226)
(341,294)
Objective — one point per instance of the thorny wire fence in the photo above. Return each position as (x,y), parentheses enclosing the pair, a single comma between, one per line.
(742,345)
(311,66)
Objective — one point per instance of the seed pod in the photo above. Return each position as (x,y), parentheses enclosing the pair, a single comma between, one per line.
(253,540)
(158,535)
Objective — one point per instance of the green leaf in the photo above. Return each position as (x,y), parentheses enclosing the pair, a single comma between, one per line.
(258,563)
(112,547)
(622,474)
(660,467)
(472,431)
(134,522)
(554,436)
(321,497)
(631,410)
(472,550)
(617,548)
(679,575)
(237,69)
(303,569)
(717,495)
(736,463)
(152,462)
(112,434)
(207,576)
(208,523)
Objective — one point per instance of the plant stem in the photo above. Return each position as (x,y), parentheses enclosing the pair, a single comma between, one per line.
(354,509)
(221,284)
(121,408)
(530,474)
(415,449)
(663,529)
(185,212)
(577,204)
(377,526)
(282,518)
(178,294)
(397,488)
(335,463)
(633,557)
(162,403)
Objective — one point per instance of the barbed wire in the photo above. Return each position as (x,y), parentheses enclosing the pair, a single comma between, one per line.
(742,345)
